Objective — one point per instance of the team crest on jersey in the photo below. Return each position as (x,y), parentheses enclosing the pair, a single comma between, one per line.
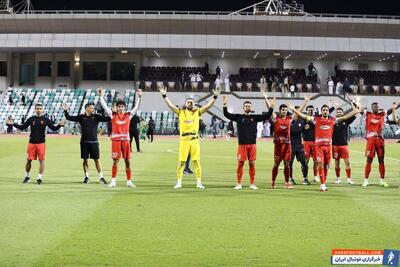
(325,127)
(120,122)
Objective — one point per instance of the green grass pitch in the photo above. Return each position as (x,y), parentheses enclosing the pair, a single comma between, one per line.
(66,223)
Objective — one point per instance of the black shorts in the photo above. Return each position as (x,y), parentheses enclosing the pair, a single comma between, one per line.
(90,150)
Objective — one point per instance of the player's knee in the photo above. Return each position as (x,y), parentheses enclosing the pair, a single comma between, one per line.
(381,160)
(369,160)
(115,162)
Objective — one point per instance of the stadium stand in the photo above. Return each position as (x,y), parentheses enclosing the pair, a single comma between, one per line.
(375,82)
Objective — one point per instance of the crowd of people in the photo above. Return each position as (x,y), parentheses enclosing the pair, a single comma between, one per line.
(296,135)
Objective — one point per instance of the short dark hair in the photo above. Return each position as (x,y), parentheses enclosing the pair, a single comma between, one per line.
(38,105)
(89,104)
(324,106)
(375,103)
(309,106)
(247,102)
(296,107)
(120,102)
(339,109)
(282,106)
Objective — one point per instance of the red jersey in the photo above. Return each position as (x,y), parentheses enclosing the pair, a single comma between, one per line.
(120,126)
(374,124)
(324,130)
(282,130)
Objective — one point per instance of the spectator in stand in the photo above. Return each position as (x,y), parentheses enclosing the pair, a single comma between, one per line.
(109,97)
(218,71)
(183,80)
(221,127)
(23,119)
(206,67)
(53,118)
(331,84)
(285,84)
(336,69)
(9,127)
(10,100)
(361,85)
(134,132)
(316,111)
(227,83)
(263,80)
(339,87)
(267,129)
(192,77)
(292,90)
(346,87)
(312,70)
(176,127)
(199,77)
(218,82)
(23,99)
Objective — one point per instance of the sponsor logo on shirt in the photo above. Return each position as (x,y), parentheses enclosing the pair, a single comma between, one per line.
(325,127)
(120,122)
(284,127)
(188,121)
(375,121)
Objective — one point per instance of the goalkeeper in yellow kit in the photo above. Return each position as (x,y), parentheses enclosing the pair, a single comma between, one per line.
(189,120)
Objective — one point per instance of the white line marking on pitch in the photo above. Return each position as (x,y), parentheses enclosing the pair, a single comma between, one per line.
(385,156)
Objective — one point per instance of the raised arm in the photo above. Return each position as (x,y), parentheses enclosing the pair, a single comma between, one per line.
(227,114)
(163,92)
(21,127)
(216,93)
(138,102)
(69,117)
(349,115)
(103,103)
(270,103)
(306,100)
(52,126)
(301,114)
(389,111)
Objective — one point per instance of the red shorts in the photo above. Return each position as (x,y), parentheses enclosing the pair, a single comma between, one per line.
(36,151)
(309,149)
(375,144)
(121,148)
(323,154)
(340,152)
(282,151)
(247,152)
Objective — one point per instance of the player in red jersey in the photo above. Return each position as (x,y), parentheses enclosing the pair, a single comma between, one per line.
(323,137)
(120,120)
(282,149)
(374,124)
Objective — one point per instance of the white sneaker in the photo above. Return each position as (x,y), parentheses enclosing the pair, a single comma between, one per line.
(338,181)
(350,181)
(238,187)
(253,187)
(130,184)
(112,185)
(200,185)
(178,185)
(316,179)
(366,183)
(323,188)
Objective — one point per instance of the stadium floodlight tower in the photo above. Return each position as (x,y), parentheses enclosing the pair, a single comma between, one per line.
(7,7)
(274,8)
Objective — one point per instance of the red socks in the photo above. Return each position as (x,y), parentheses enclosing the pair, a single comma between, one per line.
(286,172)
(337,170)
(239,172)
(114,171)
(348,173)
(274,173)
(382,170)
(128,174)
(367,169)
(322,176)
(252,172)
